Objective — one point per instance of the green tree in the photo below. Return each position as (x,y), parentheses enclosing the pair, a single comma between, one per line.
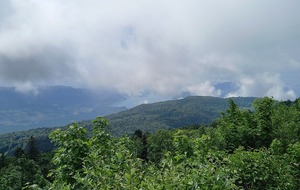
(30,173)
(184,159)
(235,128)
(2,160)
(293,158)
(263,116)
(141,145)
(286,124)
(259,169)
(98,162)
(32,150)
(10,178)
(19,152)
(158,144)
(72,149)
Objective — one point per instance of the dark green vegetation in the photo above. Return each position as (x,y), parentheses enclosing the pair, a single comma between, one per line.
(258,149)
(26,167)
(10,141)
(147,117)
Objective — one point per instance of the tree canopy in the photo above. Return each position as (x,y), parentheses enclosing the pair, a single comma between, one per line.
(243,149)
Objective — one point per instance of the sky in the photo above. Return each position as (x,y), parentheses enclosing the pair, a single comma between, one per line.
(153,48)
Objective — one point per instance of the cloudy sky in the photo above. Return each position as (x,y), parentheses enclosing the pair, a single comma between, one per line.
(159,48)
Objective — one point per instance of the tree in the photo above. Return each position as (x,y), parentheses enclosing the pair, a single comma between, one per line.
(233,129)
(158,144)
(68,159)
(32,150)
(10,177)
(19,152)
(98,162)
(259,169)
(2,160)
(263,116)
(141,145)
(30,172)
(286,124)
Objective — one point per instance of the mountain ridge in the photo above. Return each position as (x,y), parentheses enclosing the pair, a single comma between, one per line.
(146,117)
(173,113)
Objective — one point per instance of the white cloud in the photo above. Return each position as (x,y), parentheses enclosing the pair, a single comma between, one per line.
(264,85)
(204,89)
(159,46)
(26,87)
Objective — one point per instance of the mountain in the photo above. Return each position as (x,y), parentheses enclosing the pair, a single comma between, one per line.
(146,117)
(172,114)
(53,106)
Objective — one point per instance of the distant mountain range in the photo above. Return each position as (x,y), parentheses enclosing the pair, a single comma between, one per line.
(146,117)
(59,105)
(53,106)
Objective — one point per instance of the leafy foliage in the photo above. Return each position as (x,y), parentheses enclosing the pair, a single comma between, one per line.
(23,172)
(257,149)
(241,151)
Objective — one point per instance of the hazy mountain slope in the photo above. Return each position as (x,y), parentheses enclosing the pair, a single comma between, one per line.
(172,114)
(146,117)
(52,106)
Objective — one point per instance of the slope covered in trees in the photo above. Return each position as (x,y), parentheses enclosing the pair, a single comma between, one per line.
(10,141)
(257,149)
(172,114)
(147,117)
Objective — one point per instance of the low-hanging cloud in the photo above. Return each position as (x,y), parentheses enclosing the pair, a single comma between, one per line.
(165,47)
(266,84)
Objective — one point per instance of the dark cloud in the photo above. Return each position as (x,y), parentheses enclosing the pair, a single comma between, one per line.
(166,48)
(41,66)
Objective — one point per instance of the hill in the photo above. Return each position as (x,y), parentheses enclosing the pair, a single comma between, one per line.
(146,117)
(172,114)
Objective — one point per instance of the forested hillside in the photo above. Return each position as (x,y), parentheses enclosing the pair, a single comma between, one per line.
(10,141)
(172,114)
(257,149)
(146,117)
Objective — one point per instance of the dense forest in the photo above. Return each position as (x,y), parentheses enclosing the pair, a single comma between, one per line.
(242,149)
